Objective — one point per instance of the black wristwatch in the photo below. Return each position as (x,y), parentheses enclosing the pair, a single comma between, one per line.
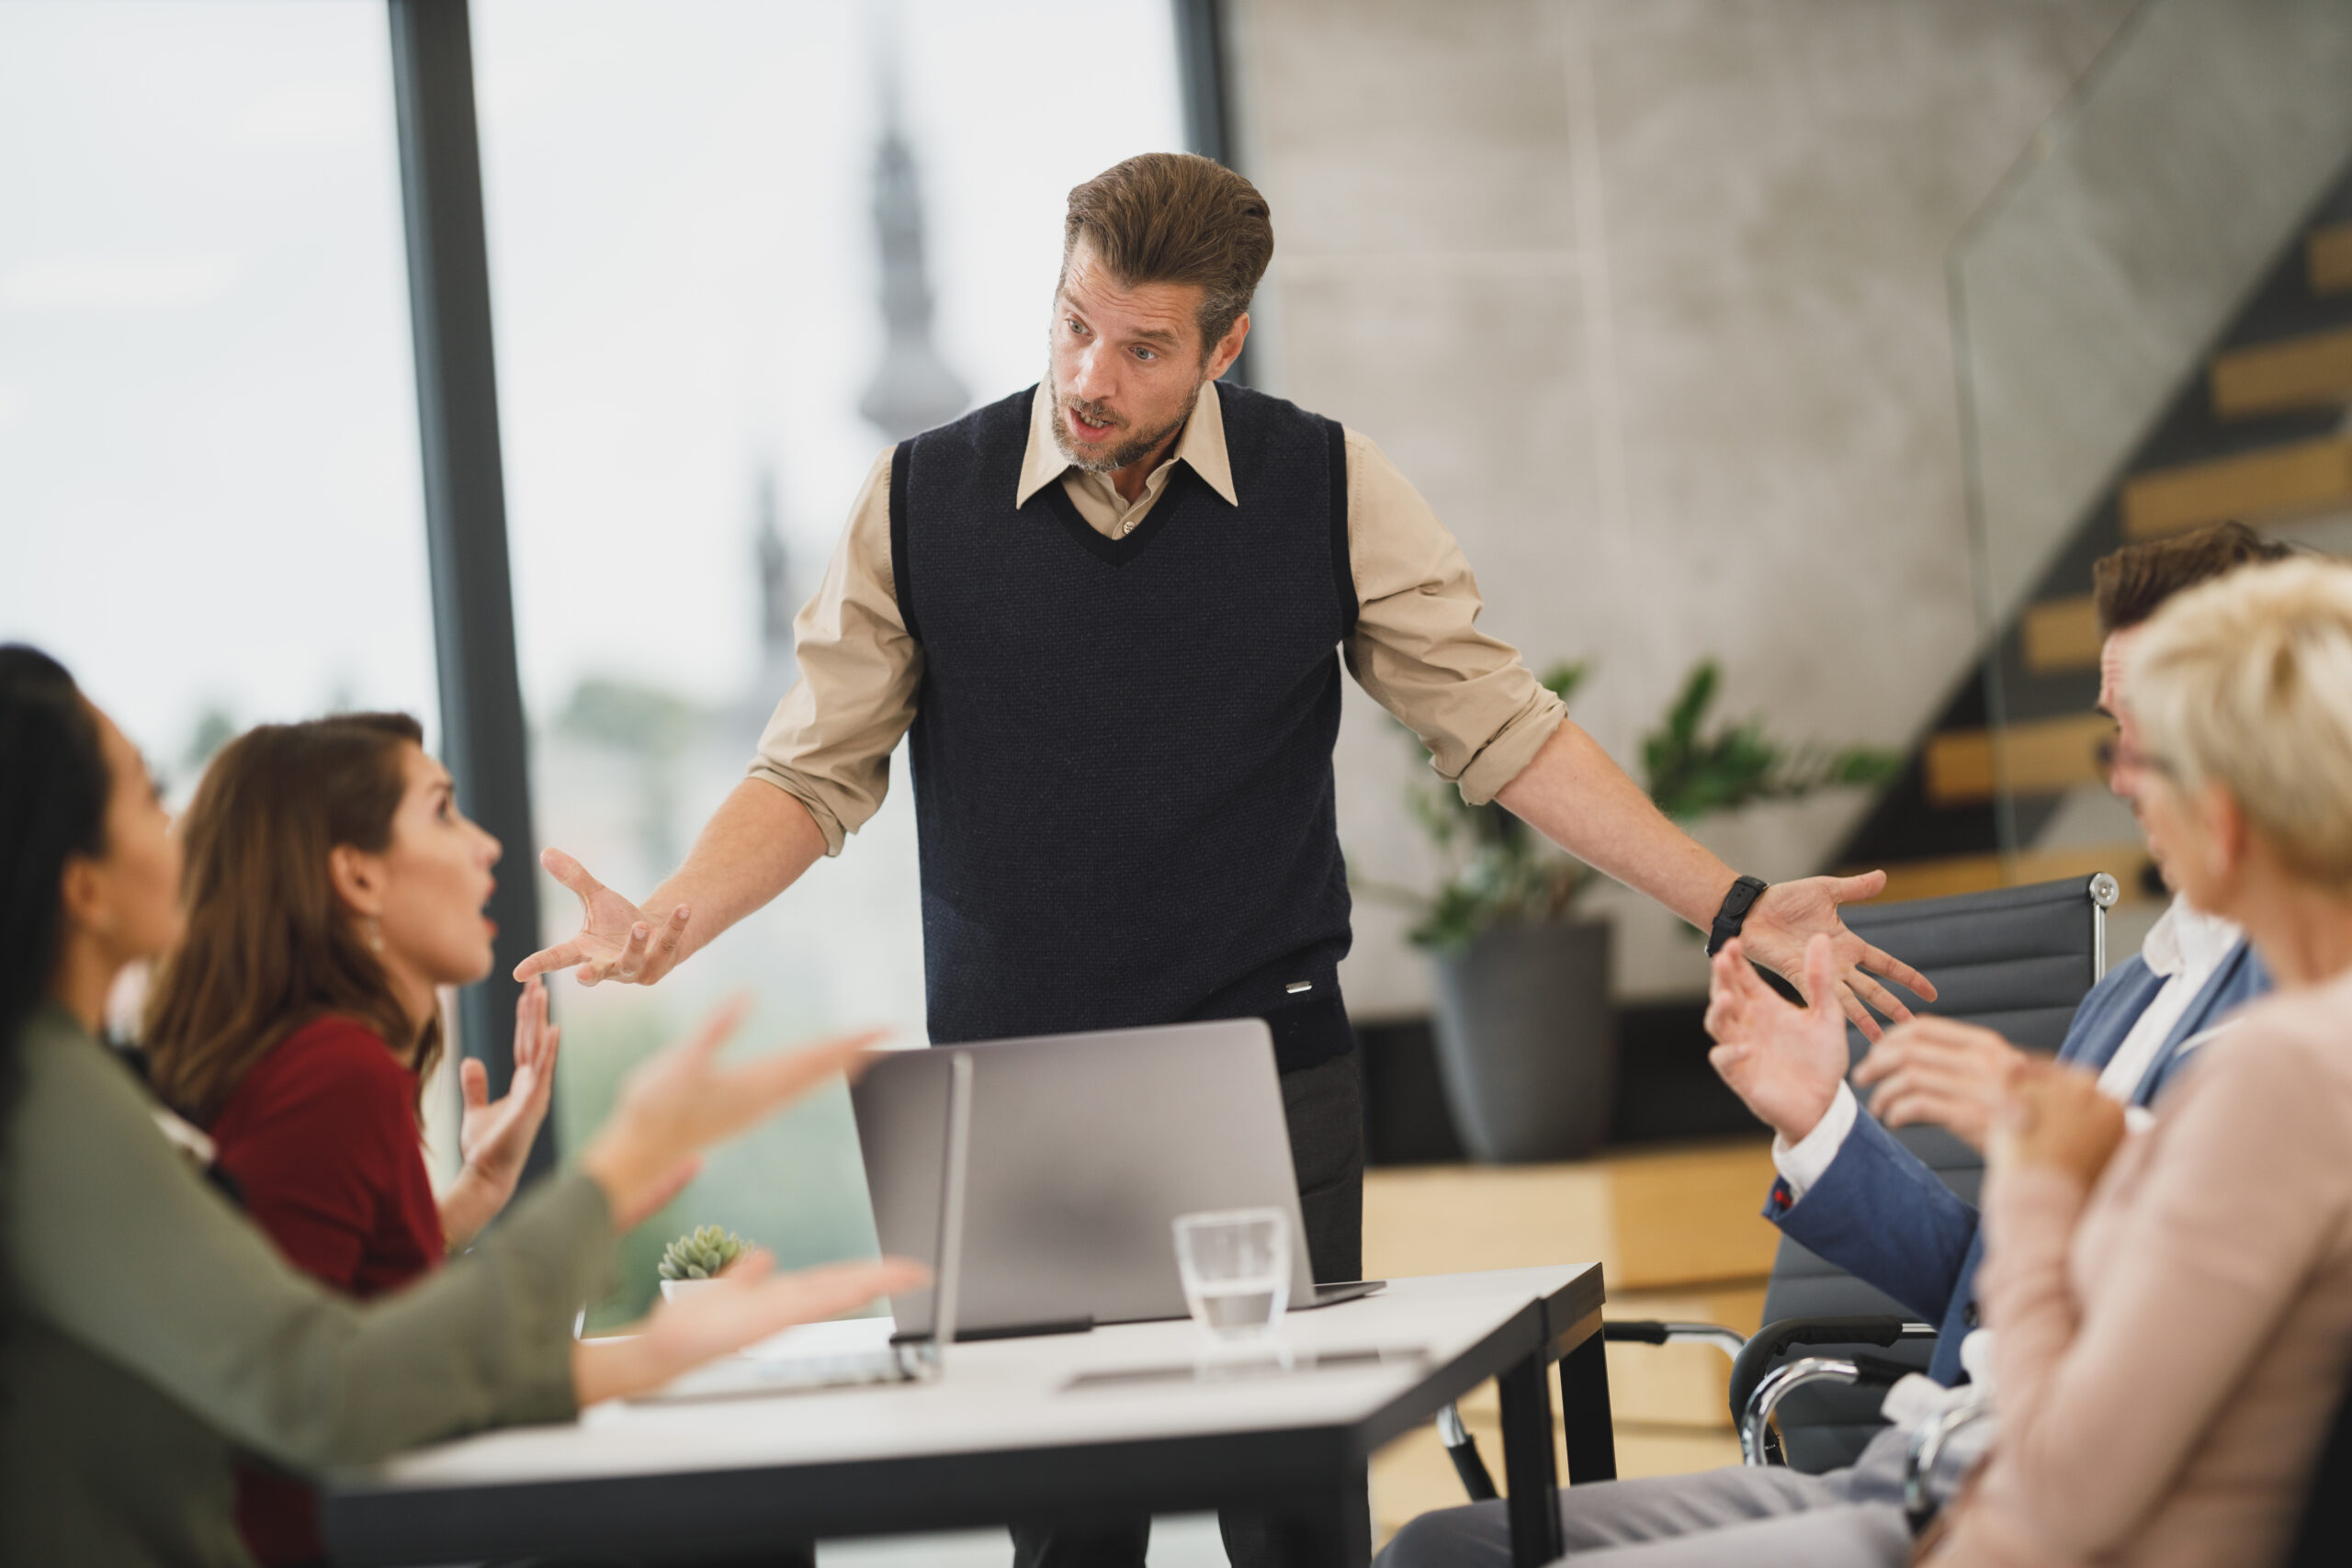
(1734,914)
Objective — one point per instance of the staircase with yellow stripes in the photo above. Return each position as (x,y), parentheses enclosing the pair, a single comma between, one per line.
(2262,434)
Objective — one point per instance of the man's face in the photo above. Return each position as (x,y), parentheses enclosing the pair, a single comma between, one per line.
(2127,774)
(1126,363)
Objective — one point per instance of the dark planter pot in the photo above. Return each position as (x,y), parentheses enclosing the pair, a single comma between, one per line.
(1527,1041)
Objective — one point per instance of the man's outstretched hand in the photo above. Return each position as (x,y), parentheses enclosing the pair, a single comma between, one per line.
(1791,914)
(616,940)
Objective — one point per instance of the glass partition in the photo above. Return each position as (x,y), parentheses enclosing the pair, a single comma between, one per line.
(693,213)
(2144,225)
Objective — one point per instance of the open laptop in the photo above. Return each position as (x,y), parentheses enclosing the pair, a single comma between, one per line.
(859,1351)
(1084,1147)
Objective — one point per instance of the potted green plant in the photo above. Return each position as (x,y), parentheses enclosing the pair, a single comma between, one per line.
(1525,1032)
(695,1260)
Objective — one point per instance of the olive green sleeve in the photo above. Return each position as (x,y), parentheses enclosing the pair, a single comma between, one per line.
(118,1242)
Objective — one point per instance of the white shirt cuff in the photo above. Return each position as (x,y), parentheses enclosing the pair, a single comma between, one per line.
(1801,1165)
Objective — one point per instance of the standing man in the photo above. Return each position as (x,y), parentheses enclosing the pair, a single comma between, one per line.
(1113,610)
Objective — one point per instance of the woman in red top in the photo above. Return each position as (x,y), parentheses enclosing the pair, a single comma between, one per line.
(333,888)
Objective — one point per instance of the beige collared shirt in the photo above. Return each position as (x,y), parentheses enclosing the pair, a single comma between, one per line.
(1417,648)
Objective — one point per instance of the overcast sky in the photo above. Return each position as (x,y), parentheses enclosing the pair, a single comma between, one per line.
(208,445)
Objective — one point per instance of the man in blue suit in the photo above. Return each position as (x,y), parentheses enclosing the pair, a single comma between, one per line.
(1851,1193)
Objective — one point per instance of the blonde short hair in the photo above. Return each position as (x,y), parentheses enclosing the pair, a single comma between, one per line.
(2247,681)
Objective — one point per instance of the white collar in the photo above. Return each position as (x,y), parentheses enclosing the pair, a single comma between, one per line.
(2186,940)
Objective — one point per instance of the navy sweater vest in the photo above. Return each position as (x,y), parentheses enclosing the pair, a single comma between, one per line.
(1121,748)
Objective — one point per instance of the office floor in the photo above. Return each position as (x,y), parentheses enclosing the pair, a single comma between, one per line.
(1677,1234)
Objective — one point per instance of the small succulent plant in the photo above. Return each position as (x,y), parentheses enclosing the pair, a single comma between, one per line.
(701,1253)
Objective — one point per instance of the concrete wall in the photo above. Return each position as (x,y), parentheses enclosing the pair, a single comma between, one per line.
(1649,299)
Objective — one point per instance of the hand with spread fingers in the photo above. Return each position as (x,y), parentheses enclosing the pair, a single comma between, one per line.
(1790,915)
(2055,1116)
(1784,1062)
(682,1101)
(618,940)
(1938,1070)
(754,1302)
(494,1136)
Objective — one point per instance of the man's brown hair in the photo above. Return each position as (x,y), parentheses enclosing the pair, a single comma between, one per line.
(1177,217)
(269,946)
(2132,583)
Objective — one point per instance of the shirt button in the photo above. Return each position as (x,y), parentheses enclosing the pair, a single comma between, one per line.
(1127,527)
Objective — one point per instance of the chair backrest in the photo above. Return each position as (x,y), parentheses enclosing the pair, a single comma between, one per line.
(2018,960)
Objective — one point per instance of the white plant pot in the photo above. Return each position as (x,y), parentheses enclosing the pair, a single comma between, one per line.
(679,1290)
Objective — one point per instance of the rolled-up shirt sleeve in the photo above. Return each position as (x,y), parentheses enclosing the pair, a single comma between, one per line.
(828,742)
(1416,647)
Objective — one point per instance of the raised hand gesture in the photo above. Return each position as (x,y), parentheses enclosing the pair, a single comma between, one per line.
(1784,1062)
(1790,915)
(675,1105)
(1938,1069)
(494,1136)
(616,940)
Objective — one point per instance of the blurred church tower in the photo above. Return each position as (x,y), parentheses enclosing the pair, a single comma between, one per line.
(914,389)
(777,603)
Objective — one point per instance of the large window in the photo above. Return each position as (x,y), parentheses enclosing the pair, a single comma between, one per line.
(687,206)
(208,417)
(208,420)
(208,485)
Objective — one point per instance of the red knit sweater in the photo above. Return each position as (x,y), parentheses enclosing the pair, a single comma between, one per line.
(321,1138)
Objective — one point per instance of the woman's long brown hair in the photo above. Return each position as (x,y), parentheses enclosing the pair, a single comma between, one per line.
(270,947)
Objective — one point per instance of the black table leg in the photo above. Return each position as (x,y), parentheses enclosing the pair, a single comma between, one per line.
(1529,1475)
(1326,1529)
(1583,1412)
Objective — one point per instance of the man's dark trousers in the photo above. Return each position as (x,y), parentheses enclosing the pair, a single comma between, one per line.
(1324,1105)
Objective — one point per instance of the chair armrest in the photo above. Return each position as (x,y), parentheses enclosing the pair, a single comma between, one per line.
(1642,1331)
(1781,1381)
(1928,1444)
(1766,1343)
(1462,1450)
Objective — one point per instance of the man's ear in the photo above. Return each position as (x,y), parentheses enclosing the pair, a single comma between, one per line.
(358,879)
(1229,348)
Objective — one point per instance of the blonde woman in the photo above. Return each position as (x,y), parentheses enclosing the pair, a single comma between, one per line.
(2173,1310)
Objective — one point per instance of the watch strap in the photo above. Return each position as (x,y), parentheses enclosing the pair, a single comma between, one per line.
(1742,898)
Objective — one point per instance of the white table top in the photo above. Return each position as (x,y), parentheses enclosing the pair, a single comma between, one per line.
(1010,1395)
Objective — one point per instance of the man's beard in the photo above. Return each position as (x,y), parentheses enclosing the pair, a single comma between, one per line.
(1133,450)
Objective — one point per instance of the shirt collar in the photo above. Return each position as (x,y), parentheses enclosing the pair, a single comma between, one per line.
(1201,444)
(2186,940)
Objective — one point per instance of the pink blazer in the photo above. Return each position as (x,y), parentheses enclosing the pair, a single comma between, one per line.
(2170,1347)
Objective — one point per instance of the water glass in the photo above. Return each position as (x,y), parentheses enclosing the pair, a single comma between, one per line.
(1236,1267)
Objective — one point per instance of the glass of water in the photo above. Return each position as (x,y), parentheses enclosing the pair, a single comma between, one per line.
(1236,1267)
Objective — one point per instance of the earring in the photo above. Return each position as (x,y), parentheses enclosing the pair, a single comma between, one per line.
(375,934)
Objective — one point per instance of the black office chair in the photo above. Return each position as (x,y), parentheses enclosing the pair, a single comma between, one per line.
(1805,1388)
